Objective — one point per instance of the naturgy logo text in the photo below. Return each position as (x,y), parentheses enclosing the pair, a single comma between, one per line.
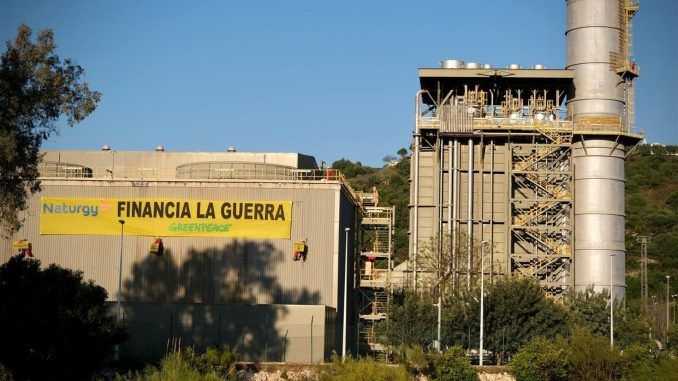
(85,210)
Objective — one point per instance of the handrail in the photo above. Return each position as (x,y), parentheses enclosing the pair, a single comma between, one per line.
(52,170)
(580,124)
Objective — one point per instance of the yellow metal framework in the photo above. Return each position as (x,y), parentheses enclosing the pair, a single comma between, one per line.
(541,207)
(622,60)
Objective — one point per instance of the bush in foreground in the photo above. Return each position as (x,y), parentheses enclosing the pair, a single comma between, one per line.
(540,360)
(53,325)
(187,365)
(452,365)
(362,370)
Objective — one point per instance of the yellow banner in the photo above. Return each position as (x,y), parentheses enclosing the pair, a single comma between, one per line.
(166,217)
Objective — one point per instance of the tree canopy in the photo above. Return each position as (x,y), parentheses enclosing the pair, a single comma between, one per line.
(53,325)
(37,90)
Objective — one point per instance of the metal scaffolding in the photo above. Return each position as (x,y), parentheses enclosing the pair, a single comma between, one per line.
(376,250)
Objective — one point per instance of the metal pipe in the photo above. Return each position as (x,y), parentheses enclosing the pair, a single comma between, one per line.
(455,212)
(345,334)
(450,166)
(481,173)
(492,210)
(482,298)
(415,205)
(611,304)
(441,146)
(469,222)
(450,171)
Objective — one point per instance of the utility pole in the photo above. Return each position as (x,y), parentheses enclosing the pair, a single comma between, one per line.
(643,240)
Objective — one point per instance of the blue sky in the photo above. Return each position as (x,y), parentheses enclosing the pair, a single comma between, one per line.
(331,79)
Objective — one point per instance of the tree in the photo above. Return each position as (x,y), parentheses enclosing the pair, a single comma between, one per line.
(349,169)
(53,324)
(517,310)
(412,320)
(37,89)
(452,365)
(389,158)
(540,360)
(402,152)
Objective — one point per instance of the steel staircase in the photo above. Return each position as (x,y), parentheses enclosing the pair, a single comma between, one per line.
(376,248)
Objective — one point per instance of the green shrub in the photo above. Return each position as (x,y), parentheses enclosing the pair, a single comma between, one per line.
(216,364)
(415,359)
(591,358)
(452,365)
(666,369)
(221,358)
(638,359)
(362,370)
(636,201)
(540,360)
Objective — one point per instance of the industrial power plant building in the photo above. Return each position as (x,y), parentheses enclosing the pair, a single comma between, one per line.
(528,163)
(521,167)
(238,249)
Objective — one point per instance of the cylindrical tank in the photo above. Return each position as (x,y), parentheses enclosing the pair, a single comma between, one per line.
(452,64)
(593,32)
(538,67)
(487,66)
(472,65)
(513,66)
(599,215)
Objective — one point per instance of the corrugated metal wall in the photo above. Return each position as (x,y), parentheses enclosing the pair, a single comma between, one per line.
(290,333)
(205,270)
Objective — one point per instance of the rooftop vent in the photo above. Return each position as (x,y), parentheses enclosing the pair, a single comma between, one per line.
(106,147)
(159,149)
(230,149)
(452,64)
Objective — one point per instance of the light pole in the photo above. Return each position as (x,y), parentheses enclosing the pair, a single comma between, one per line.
(343,343)
(482,297)
(673,297)
(611,301)
(117,314)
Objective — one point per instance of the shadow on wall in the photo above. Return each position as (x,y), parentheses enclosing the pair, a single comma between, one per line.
(228,296)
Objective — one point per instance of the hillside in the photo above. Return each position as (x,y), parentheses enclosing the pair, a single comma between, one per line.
(651,208)
(393,185)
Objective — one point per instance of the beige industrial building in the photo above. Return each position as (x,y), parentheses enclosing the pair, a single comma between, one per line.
(528,163)
(273,290)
